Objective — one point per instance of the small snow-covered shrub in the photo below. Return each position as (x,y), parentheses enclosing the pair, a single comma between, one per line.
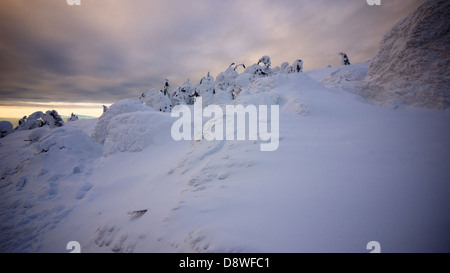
(73,118)
(345,60)
(265,60)
(297,66)
(260,71)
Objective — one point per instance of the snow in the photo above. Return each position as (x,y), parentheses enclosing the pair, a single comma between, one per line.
(348,77)
(158,100)
(206,89)
(135,131)
(6,128)
(411,65)
(125,106)
(346,172)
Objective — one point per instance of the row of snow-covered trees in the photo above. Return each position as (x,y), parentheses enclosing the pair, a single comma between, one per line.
(225,87)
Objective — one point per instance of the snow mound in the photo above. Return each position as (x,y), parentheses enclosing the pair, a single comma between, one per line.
(411,66)
(6,128)
(73,140)
(158,100)
(125,106)
(132,132)
(347,77)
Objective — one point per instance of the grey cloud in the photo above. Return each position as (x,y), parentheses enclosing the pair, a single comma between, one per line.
(107,50)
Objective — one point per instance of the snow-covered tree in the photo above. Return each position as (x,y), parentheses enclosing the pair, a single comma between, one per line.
(256,71)
(105,108)
(265,60)
(166,88)
(297,66)
(72,118)
(179,96)
(285,67)
(188,90)
(259,71)
(53,119)
(242,83)
(206,89)
(345,60)
(224,84)
(33,121)
(158,101)
(22,120)
(226,78)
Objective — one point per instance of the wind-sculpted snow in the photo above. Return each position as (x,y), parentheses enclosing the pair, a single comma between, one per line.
(132,132)
(125,106)
(40,181)
(348,77)
(411,65)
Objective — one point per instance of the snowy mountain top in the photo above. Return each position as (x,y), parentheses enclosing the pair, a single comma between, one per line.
(346,173)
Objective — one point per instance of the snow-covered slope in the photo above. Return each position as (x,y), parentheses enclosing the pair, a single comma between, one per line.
(346,172)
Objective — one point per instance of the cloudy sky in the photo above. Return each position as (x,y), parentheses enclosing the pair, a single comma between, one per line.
(79,57)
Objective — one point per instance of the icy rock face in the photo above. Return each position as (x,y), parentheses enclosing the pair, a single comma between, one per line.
(411,66)
(125,106)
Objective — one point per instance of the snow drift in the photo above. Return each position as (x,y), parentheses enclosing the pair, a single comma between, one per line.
(125,106)
(132,132)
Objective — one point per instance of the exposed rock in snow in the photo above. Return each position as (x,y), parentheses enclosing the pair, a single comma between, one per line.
(411,66)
